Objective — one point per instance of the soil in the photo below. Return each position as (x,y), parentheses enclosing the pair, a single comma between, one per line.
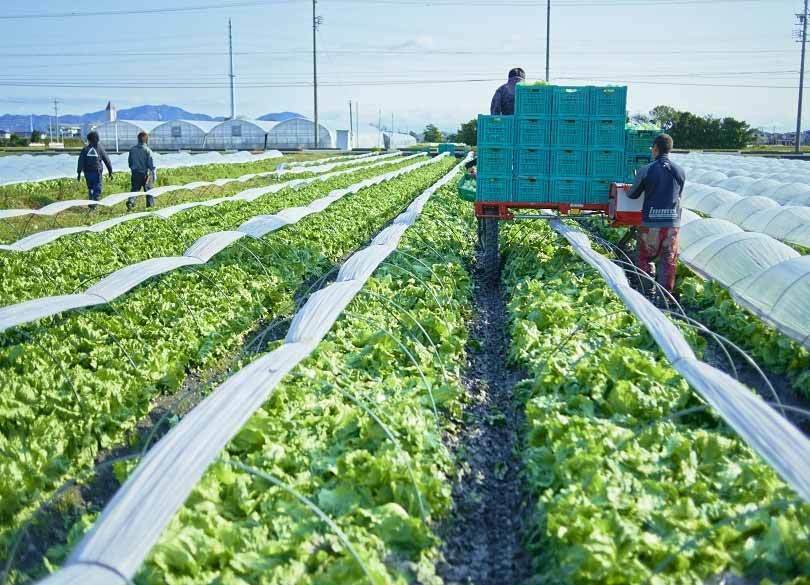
(483,536)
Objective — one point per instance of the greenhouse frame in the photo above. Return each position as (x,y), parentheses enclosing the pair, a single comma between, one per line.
(181,135)
(123,134)
(239,134)
(298,133)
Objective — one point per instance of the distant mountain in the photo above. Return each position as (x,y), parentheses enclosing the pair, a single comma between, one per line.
(280,116)
(22,124)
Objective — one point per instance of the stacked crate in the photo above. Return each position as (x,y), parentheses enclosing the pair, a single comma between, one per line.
(564,145)
(637,150)
(496,137)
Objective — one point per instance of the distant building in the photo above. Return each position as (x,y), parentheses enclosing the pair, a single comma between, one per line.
(5,134)
(112,113)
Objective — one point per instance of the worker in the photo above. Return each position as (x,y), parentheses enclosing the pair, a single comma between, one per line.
(503,102)
(661,182)
(142,168)
(92,159)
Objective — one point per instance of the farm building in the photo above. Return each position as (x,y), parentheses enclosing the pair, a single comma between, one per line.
(123,134)
(181,135)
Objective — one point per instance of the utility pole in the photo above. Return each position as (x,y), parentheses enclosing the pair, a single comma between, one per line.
(56,116)
(231,75)
(392,123)
(357,120)
(351,126)
(379,131)
(316,21)
(803,23)
(548,38)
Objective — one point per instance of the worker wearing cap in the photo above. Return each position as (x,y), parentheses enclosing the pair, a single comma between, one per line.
(92,159)
(662,184)
(503,102)
(142,168)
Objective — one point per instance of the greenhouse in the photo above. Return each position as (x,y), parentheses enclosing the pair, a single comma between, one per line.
(181,135)
(123,134)
(395,140)
(298,133)
(239,134)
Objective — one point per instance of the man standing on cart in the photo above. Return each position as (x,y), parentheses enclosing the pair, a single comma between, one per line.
(662,184)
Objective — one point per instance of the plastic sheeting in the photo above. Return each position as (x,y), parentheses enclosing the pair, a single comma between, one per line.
(27,167)
(762,274)
(47,236)
(773,437)
(133,521)
(125,279)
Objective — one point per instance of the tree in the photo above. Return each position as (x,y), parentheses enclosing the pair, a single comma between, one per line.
(663,116)
(432,134)
(35,136)
(690,130)
(468,133)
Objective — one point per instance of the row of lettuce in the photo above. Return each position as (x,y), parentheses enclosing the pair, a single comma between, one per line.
(634,481)
(76,385)
(43,193)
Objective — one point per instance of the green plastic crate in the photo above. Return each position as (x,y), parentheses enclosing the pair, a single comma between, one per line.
(532,189)
(495,161)
(533,131)
(570,133)
(533,100)
(568,190)
(569,162)
(598,191)
(494,188)
(571,102)
(496,130)
(639,141)
(447,147)
(632,163)
(606,163)
(606,133)
(532,162)
(608,102)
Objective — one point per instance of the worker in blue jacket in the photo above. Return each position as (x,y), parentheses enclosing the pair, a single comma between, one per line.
(92,159)
(503,102)
(142,167)
(661,182)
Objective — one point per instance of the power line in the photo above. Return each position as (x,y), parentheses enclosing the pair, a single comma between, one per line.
(423,3)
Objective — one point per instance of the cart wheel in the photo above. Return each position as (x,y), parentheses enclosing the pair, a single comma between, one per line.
(489,245)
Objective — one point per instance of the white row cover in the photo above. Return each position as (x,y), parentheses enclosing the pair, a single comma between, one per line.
(125,279)
(131,524)
(750,166)
(27,167)
(788,223)
(59,206)
(762,274)
(47,236)
(776,440)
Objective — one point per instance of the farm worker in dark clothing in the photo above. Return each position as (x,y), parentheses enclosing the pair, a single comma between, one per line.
(662,183)
(503,102)
(92,159)
(143,169)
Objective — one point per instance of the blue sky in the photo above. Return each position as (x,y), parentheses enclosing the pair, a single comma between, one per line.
(416,59)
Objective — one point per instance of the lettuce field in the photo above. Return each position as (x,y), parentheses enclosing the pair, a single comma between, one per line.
(314,373)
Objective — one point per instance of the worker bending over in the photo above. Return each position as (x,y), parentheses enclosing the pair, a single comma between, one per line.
(658,237)
(142,168)
(503,102)
(91,161)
